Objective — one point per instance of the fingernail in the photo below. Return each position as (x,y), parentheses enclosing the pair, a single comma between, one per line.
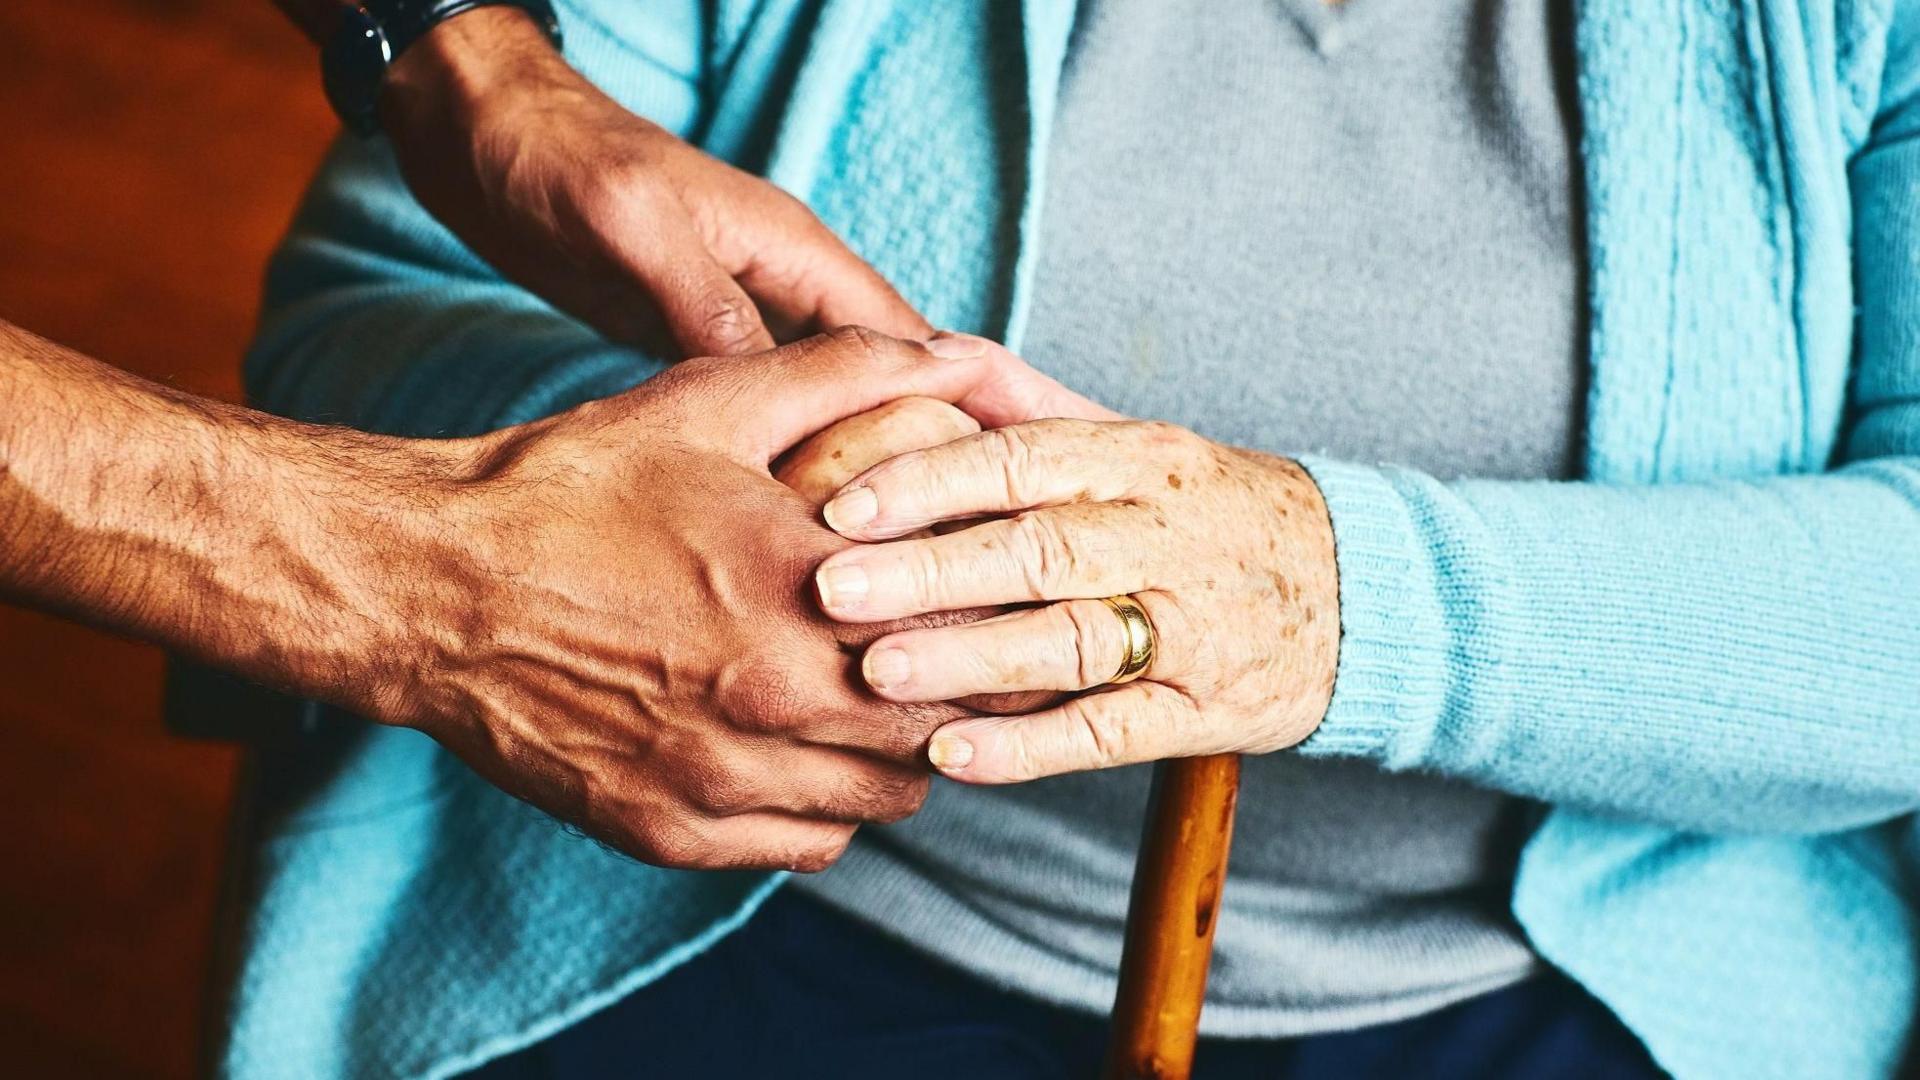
(949,752)
(842,586)
(851,509)
(956,346)
(886,668)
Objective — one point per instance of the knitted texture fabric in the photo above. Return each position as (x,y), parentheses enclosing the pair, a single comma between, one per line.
(1398,322)
(1706,656)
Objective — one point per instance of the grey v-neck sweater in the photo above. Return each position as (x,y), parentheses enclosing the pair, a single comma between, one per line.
(1357,228)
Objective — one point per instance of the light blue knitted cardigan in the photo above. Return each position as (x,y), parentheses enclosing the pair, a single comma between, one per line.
(1707,657)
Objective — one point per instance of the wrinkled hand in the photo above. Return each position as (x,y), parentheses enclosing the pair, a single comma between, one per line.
(607,216)
(611,616)
(826,461)
(1229,552)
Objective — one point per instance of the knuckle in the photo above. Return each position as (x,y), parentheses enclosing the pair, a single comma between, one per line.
(929,582)
(1009,455)
(726,320)
(892,798)
(721,791)
(1048,554)
(858,341)
(1022,762)
(820,856)
(900,738)
(766,701)
(1088,635)
(674,844)
(624,203)
(617,192)
(1103,732)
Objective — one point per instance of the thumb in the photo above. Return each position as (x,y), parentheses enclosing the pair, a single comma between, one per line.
(819,284)
(805,277)
(706,311)
(1013,392)
(775,399)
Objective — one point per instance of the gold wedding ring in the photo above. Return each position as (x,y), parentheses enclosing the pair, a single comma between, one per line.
(1140,640)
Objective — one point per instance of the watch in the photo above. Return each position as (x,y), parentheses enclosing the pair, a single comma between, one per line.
(373,33)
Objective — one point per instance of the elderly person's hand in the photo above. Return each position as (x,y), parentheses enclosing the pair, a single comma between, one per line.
(1229,552)
(824,463)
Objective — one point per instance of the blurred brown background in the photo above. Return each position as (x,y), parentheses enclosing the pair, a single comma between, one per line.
(150,152)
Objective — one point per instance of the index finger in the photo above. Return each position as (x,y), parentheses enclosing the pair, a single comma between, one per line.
(822,284)
(999,471)
(1067,553)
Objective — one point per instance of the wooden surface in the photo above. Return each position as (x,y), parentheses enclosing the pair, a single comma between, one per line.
(1171,919)
(150,152)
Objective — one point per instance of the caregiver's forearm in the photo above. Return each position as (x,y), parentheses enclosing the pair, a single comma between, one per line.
(261,545)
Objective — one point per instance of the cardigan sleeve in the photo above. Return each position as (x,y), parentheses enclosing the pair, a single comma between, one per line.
(375,316)
(1730,656)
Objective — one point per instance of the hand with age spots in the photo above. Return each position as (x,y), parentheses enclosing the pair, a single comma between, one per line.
(608,614)
(828,460)
(1229,551)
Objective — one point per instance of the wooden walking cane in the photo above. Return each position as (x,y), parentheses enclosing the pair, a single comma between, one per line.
(1170,919)
(1183,854)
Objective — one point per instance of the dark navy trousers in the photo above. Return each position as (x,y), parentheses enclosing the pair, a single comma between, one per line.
(804,992)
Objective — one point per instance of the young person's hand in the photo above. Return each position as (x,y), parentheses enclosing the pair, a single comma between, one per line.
(607,612)
(607,216)
(613,615)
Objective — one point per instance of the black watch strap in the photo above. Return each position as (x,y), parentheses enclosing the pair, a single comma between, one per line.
(374,33)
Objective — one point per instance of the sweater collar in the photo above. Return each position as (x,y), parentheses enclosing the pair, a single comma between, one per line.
(921,135)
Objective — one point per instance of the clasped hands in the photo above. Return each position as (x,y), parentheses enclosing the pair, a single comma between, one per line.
(636,615)
(634,625)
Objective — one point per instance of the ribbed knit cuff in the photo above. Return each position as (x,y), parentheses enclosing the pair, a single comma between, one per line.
(1390,683)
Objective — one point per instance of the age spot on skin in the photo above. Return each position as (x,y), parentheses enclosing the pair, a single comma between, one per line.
(1173,481)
